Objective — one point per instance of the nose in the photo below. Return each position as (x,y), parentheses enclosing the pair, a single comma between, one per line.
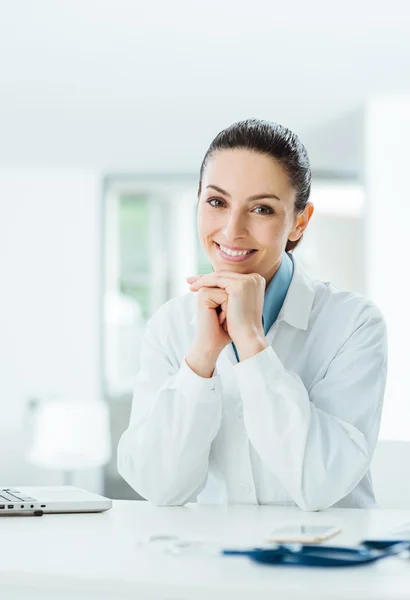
(235,226)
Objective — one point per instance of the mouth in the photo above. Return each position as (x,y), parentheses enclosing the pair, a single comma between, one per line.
(234,255)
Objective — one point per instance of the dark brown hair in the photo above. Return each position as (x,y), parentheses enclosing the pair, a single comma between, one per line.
(276,141)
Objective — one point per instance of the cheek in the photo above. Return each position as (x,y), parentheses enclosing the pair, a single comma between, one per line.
(271,234)
(207,223)
(200,221)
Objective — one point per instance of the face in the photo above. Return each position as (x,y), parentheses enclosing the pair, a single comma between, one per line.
(246,212)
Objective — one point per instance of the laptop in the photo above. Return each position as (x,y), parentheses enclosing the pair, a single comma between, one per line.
(40,500)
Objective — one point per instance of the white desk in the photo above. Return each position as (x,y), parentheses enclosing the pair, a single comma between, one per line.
(85,557)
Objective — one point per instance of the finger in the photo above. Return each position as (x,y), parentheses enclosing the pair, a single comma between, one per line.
(224,279)
(192,279)
(222,317)
(214,280)
(213,297)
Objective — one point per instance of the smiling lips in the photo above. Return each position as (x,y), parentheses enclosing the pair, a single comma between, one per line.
(234,254)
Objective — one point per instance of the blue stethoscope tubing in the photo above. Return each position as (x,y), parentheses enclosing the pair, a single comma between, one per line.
(323,556)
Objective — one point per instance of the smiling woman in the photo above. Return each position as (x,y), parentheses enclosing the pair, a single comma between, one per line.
(262,385)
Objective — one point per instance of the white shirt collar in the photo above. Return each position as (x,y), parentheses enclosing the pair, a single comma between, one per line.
(298,303)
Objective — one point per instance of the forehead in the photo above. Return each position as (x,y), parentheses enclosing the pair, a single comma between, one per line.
(246,172)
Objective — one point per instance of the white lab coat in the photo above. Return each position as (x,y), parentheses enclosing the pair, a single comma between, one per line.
(295,424)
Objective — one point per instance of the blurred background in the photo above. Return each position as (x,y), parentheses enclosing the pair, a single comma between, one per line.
(106,110)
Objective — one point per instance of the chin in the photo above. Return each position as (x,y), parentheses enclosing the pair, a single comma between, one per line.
(236,268)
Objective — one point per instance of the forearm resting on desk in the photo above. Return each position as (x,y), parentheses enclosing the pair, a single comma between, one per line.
(164,453)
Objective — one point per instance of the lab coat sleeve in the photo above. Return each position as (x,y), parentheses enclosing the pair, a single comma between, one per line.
(318,443)
(175,416)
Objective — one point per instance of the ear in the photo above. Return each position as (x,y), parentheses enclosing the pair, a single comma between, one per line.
(302,221)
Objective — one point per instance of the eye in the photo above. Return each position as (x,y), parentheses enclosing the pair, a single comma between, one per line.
(264,210)
(215,202)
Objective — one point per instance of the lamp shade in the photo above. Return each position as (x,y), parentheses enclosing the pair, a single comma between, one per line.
(71,435)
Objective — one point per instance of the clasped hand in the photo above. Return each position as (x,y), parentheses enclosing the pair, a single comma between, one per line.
(229,308)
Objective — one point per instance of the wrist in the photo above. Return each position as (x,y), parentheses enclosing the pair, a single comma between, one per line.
(249,335)
(201,361)
(250,346)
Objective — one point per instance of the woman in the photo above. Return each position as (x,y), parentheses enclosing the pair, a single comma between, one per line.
(254,396)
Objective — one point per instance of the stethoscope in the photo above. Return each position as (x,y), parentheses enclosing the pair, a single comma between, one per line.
(291,554)
(308,555)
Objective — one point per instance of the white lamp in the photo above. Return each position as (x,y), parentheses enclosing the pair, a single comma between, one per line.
(70,436)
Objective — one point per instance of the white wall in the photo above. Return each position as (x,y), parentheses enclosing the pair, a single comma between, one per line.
(391,474)
(133,85)
(386,175)
(50,297)
(330,250)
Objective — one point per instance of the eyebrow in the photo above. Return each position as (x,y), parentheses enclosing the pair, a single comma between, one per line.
(250,199)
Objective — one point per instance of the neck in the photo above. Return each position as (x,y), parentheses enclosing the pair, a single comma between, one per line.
(272,272)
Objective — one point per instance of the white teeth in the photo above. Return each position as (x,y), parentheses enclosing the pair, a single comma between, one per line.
(234,252)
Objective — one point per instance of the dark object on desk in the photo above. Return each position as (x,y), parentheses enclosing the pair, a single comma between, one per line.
(310,555)
(33,513)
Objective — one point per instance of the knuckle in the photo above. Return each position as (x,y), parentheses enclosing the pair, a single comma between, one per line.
(259,279)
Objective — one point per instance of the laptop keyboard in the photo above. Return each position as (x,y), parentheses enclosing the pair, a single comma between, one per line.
(11,495)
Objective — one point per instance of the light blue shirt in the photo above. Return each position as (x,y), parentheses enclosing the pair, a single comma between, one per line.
(275,295)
